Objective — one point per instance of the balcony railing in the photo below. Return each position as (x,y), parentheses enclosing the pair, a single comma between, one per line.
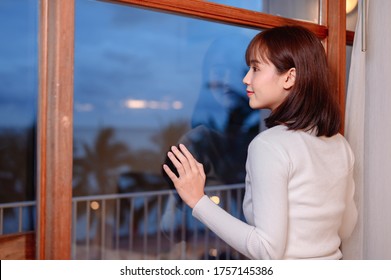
(18,216)
(142,225)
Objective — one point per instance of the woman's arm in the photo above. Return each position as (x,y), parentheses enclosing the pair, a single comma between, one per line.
(349,219)
(267,238)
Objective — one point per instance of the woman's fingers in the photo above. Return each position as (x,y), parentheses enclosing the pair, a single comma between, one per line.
(200,168)
(194,164)
(184,161)
(191,160)
(178,164)
(170,174)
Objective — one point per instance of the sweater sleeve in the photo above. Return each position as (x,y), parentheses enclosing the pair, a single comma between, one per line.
(230,229)
(349,218)
(265,235)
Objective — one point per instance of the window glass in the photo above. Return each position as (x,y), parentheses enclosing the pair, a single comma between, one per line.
(145,81)
(18,100)
(307,10)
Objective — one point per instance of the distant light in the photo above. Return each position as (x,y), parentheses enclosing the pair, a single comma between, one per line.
(177,105)
(135,104)
(213,252)
(94,205)
(152,104)
(215,199)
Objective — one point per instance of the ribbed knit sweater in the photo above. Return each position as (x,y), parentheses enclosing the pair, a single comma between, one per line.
(298,201)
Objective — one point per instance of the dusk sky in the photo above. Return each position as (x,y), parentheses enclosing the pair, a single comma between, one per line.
(18,62)
(126,56)
(132,66)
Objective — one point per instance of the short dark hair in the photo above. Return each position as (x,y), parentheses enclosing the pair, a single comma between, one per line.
(310,103)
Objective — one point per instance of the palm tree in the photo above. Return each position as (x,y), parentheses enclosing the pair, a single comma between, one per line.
(146,174)
(151,160)
(97,172)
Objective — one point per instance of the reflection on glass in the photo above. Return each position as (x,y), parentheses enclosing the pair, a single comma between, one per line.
(145,81)
(18,96)
(307,10)
(222,122)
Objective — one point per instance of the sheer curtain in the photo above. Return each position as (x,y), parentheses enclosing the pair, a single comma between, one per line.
(368,129)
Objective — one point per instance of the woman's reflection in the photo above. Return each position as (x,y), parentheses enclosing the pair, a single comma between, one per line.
(222,124)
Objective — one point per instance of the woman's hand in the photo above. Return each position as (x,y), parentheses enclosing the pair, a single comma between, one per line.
(191,180)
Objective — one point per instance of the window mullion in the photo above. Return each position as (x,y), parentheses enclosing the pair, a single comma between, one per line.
(55,129)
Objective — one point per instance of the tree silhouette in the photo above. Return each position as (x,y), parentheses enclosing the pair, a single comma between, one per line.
(98,169)
(17,157)
(146,173)
(151,160)
(96,172)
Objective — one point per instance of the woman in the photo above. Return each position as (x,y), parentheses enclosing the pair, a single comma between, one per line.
(298,201)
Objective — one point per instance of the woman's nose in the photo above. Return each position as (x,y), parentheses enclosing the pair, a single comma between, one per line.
(246,79)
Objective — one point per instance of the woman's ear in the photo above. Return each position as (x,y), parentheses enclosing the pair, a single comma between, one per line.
(290,78)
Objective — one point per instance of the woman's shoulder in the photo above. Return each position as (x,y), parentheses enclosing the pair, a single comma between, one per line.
(274,134)
(276,137)
(281,136)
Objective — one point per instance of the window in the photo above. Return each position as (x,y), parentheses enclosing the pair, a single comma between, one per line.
(18,101)
(54,156)
(154,80)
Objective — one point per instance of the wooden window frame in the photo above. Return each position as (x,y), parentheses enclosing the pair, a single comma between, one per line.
(55,129)
(55,112)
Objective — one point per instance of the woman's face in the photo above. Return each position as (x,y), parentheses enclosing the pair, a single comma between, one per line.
(223,85)
(223,75)
(266,88)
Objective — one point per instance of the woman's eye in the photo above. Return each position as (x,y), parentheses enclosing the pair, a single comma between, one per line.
(255,69)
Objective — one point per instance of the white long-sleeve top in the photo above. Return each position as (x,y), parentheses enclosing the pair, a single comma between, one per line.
(298,199)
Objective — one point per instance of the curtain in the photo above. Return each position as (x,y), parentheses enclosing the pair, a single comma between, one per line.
(368,130)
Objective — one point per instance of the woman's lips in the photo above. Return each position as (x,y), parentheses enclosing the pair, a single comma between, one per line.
(249,93)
